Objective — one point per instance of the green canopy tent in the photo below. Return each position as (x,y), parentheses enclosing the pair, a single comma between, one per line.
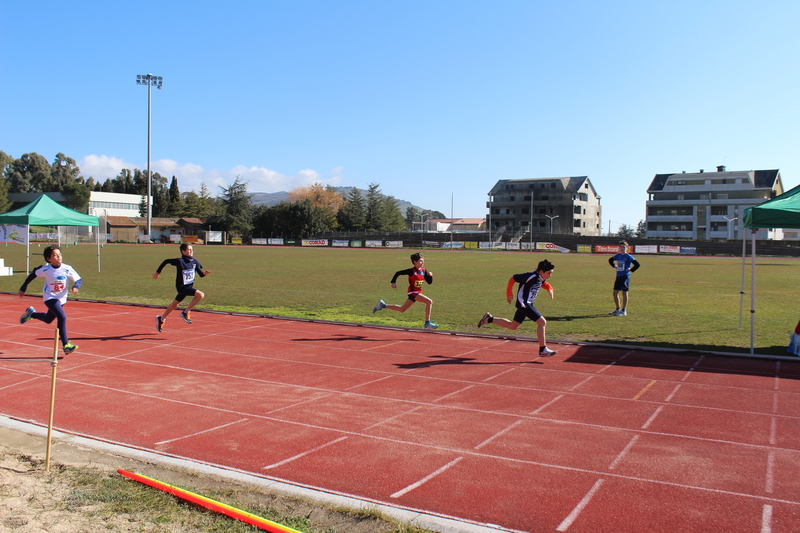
(781,212)
(44,211)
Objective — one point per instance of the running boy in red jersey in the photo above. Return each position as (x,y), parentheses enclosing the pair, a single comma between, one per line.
(416,276)
(187,266)
(529,285)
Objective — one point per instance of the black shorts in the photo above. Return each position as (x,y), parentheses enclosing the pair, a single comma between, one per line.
(622,283)
(526,312)
(413,296)
(183,293)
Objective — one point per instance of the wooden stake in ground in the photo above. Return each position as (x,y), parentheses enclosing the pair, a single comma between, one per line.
(54,365)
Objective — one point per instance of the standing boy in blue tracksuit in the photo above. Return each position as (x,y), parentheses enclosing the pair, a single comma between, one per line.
(625,264)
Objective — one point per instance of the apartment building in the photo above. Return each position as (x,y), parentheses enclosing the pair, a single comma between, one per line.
(544,205)
(708,205)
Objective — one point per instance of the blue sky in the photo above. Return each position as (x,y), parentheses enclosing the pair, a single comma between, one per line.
(433,100)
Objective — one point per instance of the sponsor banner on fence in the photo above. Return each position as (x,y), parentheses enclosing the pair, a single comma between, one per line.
(276,240)
(431,244)
(43,236)
(340,243)
(606,248)
(471,245)
(315,242)
(374,244)
(258,240)
(513,246)
(645,249)
(14,233)
(688,250)
(584,248)
(236,240)
(453,245)
(214,236)
(551,246)
(669,249)
(394,244)
(356,244)
(175,238)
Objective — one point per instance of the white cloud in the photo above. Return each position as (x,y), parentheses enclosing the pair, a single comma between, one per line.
(191,176)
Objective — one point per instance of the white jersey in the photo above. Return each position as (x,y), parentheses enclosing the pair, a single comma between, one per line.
(56,283)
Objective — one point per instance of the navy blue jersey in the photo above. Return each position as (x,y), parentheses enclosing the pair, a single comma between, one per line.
(186,269)
(529,285)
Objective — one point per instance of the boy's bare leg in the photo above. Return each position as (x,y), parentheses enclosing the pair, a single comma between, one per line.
(624,300)
(196,300)
(400,308)
(428,305)
(506,323)
(541,324)
(170,308)
(616,299)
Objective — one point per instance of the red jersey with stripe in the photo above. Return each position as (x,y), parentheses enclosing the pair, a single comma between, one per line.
(416,278)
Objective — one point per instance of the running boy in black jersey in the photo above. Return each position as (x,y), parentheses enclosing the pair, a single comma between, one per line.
(416,276)
(187,266)
(529,285)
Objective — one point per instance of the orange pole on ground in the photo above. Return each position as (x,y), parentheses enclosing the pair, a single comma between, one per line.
(54,364)
(227,510)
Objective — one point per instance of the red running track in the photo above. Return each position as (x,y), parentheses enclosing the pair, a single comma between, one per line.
(595,439)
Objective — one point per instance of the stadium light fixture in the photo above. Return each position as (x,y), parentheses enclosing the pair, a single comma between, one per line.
(551,222)
(150,81)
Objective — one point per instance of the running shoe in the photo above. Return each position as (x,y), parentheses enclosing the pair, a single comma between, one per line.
(69,348)
(485,320)
(380,305)
(185,317)
(544,351)
(159,323)
(430,325)
(615,312)
(622,312)
(27,315)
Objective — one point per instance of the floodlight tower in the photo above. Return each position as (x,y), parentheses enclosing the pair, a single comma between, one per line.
(551,222)
(150,81)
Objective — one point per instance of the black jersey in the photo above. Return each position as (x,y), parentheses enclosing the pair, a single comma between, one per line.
(186,269)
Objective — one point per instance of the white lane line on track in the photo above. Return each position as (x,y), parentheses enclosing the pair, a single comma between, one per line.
(426,478)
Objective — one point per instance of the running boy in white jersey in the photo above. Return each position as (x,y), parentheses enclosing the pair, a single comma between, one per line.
(187,266)
(529,285)
(56,276)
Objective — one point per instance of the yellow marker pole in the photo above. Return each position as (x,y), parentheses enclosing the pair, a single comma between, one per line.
(54,364)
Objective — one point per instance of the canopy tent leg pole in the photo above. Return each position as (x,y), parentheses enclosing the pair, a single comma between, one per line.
(753,292)
(97,234)
(741,289)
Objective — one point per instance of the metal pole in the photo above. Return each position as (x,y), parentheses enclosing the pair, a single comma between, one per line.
(149,181)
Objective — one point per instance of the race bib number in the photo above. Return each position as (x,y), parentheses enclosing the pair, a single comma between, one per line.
(188,277)
(59,285)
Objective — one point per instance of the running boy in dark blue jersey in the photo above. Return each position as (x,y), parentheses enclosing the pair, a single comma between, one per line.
(529,285)
(187,266)
(625,264)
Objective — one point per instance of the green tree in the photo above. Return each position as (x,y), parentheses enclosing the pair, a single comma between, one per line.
(29,173)
(63,170)
(641,229)
(374,209)
(5,164)
(352,216)
(391,218)
(625,232)
(160,191)
(235,214)
(76,196)
(413,215)
(175,199)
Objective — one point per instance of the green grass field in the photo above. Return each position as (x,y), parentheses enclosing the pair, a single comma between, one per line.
(678,302)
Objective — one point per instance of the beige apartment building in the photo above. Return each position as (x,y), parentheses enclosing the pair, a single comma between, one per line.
(708,205)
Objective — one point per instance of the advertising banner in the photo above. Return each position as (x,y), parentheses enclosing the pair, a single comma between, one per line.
(214,236)
(453,245)
(645,249)
(13,233)
(374,244)
(278,241)
(688,250)
(584,248)
(606,248)
(551,246)
(340,243)
(669,249)
(513,246)
(258,240)
(471,245)
(394,244)
(315,242)
(356,244)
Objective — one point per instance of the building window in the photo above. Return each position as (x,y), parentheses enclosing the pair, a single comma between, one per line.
(526,198)
(576,223)
(511,198)
(545,197)
(525,210)
(704,196)
(680,197)
(552,185)
(722,196)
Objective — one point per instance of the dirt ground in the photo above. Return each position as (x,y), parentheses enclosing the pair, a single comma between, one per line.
(31,498)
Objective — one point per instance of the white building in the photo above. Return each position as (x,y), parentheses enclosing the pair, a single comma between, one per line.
(709,205)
